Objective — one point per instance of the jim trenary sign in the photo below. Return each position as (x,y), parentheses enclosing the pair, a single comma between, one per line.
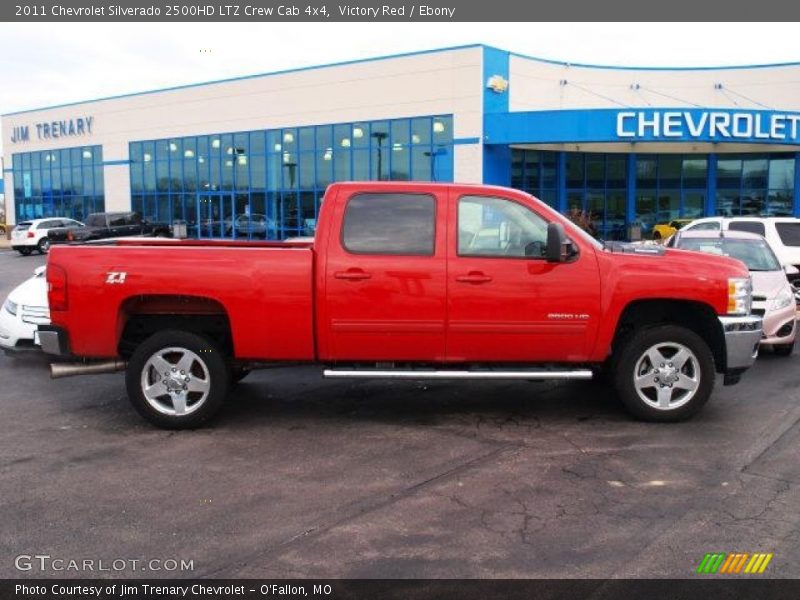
(707,125)
(62,128)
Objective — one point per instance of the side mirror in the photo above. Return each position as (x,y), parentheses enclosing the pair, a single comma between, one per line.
(556,240)
(791,269)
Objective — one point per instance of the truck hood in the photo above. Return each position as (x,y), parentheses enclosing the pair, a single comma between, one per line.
(657,260)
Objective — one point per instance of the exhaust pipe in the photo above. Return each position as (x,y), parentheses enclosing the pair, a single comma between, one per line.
(59,370)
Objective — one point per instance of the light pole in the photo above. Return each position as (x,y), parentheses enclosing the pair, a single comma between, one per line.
(380,136)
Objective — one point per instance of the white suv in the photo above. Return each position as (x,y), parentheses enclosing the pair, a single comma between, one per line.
(782,233)
(32,235)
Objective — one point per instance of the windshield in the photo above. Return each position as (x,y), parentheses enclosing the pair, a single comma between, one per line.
(756,254)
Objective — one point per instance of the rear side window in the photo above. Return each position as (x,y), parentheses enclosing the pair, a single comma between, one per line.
(24,226)
(390,224)
(789,233)
(749,226)
(708,226)
(117,221)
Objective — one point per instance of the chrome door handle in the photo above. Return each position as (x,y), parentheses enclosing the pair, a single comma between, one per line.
(474,277)
(352,275)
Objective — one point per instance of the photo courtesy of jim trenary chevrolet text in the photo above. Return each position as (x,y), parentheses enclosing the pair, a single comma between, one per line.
(392,299)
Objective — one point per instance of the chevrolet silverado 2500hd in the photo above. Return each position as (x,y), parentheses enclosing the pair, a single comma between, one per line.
(403,280)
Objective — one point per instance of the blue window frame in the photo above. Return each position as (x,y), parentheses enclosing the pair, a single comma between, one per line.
(269,183)
(58,183)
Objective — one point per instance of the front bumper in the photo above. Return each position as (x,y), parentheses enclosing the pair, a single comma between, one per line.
(742,338)
(780,326)
(15,334)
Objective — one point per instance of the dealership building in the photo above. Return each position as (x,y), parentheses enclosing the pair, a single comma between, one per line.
(630,146)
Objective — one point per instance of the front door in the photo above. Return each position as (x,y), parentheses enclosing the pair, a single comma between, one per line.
(215,215)
(385,280)
(506,303)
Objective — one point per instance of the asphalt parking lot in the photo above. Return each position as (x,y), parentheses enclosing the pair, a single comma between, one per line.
(300,477)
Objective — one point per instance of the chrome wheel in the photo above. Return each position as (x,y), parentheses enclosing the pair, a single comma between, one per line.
(175,381)
(667,376)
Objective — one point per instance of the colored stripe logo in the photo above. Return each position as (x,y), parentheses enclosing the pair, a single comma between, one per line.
(734,563)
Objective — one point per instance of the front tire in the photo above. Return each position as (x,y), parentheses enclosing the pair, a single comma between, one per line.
(177,380)
(664,373)
(783,349)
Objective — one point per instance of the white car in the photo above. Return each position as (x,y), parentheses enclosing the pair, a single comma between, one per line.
(782,233)
(23,311)
(32,235)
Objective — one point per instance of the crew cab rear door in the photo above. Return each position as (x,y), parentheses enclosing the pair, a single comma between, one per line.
(385,283)
(506,303)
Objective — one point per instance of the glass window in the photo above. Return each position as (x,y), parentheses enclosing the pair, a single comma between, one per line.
(669,171)
(390,224)
(294,164)
(729,172)
(421,130)
(496,227)
(749,226)
(616,171)
(694,172)
(705,226)
(781,173)
(754,173)
(575,170)
(53,182)
(789,233)
(646,169)
(595,170)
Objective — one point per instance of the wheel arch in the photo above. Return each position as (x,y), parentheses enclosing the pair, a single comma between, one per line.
(691,314)
(141,316)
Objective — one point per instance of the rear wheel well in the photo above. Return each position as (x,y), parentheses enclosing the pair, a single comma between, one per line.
(692,315)
(143,316)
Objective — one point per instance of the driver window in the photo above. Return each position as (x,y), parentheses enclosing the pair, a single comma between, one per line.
(495,227)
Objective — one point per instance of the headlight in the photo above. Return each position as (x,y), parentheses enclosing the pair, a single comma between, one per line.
(782,300)
(740,297)
(10,307)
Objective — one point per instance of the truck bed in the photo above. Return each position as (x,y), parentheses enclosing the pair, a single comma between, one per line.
(264,289)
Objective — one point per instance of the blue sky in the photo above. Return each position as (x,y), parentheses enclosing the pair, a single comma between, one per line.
(53,63)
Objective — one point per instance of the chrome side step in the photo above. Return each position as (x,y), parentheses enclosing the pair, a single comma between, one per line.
(400,374)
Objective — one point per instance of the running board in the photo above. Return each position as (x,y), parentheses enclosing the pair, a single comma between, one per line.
(399,374)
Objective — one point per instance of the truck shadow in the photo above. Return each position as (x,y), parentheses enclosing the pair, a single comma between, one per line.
(262,402)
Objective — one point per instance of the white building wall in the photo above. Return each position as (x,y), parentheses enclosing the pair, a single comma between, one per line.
(446,82)
(537,85)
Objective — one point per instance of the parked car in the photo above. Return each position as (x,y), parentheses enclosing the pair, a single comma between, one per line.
(782,233)
(773,295)
(22,312)
(109,225)
(256,226)
(662,231)
(404,281)
(37,234)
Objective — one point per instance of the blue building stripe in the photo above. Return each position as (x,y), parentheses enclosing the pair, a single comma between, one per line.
(466,141)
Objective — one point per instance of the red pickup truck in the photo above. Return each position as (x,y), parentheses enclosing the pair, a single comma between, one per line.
(403,280)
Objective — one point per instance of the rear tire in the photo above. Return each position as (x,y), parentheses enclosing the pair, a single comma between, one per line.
(664,373)
(43,246)
(177,380)
(783,349)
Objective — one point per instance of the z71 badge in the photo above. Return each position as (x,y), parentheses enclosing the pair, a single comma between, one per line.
(116,277)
